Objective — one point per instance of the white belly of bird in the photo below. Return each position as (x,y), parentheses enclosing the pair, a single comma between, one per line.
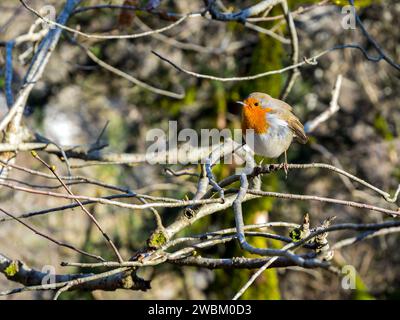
(273,143)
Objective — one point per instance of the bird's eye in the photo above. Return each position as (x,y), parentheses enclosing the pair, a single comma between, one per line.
(256,104)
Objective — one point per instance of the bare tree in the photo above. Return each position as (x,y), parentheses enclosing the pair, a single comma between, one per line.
(308,241)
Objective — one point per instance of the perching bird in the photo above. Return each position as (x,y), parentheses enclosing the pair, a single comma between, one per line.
(273,123)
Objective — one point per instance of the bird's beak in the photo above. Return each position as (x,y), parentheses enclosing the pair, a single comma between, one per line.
(241,102)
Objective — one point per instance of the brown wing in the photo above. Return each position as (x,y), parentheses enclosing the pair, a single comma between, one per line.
(297,128)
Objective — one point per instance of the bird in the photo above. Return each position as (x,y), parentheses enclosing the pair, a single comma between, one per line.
(273,123)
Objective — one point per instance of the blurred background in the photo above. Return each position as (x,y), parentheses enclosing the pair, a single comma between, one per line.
(76,98)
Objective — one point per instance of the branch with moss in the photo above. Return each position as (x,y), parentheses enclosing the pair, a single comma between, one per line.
(33,280)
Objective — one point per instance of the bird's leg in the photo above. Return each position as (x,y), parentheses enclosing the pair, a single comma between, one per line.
(285,165)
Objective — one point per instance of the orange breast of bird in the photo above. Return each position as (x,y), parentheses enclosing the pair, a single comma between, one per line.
(254,118)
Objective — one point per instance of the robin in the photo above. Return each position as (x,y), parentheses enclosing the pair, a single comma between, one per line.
(273,123)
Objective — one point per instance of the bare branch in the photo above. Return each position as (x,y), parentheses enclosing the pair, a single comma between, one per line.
(333,108)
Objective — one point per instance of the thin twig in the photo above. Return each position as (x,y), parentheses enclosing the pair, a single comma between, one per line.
(382,54)
(100,36)
(61,208)
(310,125)
(91,216)
(130,78)
(307,61)
(294,43)
(61,244)
(303,197)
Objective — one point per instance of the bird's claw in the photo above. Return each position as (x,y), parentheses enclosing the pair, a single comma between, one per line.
(286,169)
